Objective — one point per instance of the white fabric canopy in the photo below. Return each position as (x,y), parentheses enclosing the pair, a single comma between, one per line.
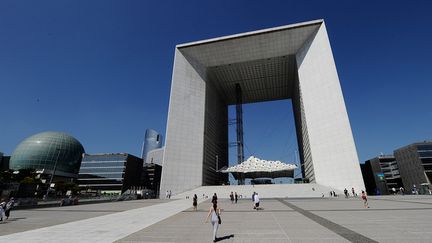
(256,168)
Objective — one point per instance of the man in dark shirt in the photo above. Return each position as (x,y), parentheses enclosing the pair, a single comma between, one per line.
(214,199)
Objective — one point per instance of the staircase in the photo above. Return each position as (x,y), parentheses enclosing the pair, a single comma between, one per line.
(264,191)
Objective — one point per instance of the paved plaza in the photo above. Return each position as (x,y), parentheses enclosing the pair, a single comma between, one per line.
(389,219)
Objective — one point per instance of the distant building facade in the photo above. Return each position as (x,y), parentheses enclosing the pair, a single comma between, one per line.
(410,167)
(109,172)
(381,174)
(391,172)
(151,176)
(415,165)
(4,162)
(152,140)
(155,156)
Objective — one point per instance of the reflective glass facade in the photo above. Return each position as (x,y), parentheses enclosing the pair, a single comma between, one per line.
(152,140)
(110,172)
(47,150)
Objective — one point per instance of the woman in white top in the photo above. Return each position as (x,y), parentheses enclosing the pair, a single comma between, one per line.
(214,211)
(2,211)
(256,201)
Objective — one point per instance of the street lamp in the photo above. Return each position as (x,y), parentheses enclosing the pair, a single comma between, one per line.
(53,172)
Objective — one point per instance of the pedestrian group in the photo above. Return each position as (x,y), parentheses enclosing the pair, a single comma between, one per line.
(5,208)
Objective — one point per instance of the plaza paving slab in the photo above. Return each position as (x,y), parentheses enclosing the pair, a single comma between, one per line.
(389,219)
(29,219)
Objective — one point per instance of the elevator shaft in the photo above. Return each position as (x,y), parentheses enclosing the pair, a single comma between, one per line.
(239,118)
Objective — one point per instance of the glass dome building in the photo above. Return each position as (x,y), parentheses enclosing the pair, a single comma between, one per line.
(49,151)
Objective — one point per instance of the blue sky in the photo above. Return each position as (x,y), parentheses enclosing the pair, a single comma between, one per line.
(101,70)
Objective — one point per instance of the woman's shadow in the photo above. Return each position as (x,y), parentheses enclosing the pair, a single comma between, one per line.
(224,237)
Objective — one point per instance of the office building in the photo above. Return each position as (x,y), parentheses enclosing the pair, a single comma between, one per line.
(4,162)
(415,165)
(152,140)
(288,62)
(391,173)
(151,176)
(155,156)
(381,175)
(109,173)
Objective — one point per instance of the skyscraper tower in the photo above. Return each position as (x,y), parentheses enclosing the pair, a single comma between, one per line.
(152,140)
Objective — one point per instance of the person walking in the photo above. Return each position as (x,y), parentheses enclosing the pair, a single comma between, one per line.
(214,212)
(195,202)
(364,198)
(256,201)
(2,210)
(9,206)
(214,198)
(253,199)
(235,197)
(232,197)
(346,193)
(353,192)
(402,190)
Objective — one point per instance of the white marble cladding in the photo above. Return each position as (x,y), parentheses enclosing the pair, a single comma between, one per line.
(328,141)
(334,155)
(183,157)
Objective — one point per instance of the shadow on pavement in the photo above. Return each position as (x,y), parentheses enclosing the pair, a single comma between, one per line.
(10,220)
(224,237)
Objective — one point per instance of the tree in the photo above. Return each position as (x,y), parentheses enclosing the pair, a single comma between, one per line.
(27,180)
(6,176)
(23,173)
(63,187)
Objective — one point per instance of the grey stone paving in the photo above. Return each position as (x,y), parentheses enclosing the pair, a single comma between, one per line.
(338,229)
(274,223)
(389,219)
(24,220)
